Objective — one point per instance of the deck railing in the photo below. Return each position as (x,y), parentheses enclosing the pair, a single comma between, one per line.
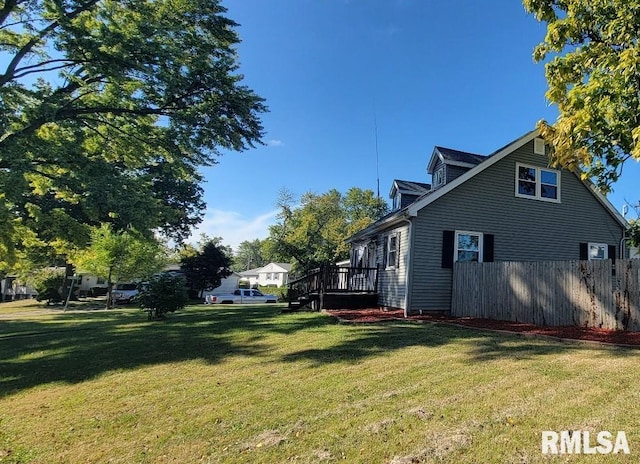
(334,279)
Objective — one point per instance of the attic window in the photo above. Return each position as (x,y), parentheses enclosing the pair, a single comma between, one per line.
(538,146)
(537,183)
(438,177)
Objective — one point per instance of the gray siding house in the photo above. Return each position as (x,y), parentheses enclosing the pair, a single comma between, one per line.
(508,206)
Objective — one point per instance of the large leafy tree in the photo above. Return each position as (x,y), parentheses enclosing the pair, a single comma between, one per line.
(205,269)
(107,109)
(593,74)
(316,230)
(120,256)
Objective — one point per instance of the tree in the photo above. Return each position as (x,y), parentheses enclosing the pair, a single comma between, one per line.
(206,269)
(249,255)
(120,256)
(107,109)
(316,231)
(594,78)
(163,293)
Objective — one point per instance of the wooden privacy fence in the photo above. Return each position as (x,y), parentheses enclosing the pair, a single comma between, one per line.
(594,293)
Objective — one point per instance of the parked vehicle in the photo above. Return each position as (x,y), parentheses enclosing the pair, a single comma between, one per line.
(124,293)
(241,295)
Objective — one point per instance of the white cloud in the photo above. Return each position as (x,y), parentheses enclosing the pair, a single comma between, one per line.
(275,143)
(233,227)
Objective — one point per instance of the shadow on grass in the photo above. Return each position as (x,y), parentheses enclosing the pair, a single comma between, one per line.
(73,347)
(374,339)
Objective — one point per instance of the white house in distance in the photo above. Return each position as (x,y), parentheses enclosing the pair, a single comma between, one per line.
(274,275)
(271,275)
(250,276)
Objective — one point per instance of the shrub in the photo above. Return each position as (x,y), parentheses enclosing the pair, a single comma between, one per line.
(163,294)
(280,292)
(48,283)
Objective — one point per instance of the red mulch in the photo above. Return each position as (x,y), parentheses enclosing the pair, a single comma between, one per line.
(569,332)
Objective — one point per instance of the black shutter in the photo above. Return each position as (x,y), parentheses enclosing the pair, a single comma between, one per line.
(487,248)
(385,251)
(398,250)
(584,251)
(611,253)
(448,237)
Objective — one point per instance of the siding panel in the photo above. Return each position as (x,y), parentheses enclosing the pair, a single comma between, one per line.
(524,229)
(392,282)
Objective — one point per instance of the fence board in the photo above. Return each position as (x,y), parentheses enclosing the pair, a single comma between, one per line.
(582,293)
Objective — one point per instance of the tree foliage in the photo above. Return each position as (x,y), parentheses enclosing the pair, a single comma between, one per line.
(594,78)
(107,109)
(120,256)
(163,294)
(206,269)
(250,254)
(48,284)
(317,229)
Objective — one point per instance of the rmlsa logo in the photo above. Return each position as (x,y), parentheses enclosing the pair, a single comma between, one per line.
(580,442)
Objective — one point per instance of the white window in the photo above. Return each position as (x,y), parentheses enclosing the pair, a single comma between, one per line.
(438,177)
(392,251)
(598,251)
(468,247)
(537,183)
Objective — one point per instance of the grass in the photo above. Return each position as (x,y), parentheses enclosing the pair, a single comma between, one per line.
(239,384)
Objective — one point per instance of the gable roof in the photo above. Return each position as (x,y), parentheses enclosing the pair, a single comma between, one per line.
(411,210)
(250,272)
(407,186)
(283,266)
(453,157)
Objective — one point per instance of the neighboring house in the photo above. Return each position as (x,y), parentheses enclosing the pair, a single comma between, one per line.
(250,276)
(508,206)
(274,275)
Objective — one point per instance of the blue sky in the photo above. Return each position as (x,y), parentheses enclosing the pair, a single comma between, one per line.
(458,74)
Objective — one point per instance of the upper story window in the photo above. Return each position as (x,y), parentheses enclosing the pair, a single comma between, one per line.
(438,177)
(538,183)
(468,247)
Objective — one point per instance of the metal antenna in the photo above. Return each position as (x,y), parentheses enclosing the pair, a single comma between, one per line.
(375,124)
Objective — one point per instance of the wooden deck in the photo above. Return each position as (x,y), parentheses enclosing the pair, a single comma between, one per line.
(334,287)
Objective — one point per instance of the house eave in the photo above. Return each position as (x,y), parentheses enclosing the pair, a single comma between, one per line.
(401,216)
(490,161)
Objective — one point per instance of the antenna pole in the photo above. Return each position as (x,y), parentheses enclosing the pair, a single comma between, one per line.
(375,124)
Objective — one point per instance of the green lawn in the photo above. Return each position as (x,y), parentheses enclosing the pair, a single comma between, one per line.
(245,384)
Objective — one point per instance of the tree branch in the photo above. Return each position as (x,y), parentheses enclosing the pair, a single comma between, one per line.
(9,74)
(6,10)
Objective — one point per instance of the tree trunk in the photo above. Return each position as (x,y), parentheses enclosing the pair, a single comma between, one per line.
(109,288)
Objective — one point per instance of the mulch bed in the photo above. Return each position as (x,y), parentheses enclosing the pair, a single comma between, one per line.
(616,337)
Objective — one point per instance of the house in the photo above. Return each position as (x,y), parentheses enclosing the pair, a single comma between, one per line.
(507,206)
(274,275)
(250,276)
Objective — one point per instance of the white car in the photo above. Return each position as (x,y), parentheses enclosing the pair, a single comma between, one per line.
(124,293)
(242,295)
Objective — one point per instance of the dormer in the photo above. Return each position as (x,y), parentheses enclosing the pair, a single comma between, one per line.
(404,192)
(446,165)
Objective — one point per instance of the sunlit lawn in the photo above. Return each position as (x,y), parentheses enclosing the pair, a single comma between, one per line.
(245,384)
